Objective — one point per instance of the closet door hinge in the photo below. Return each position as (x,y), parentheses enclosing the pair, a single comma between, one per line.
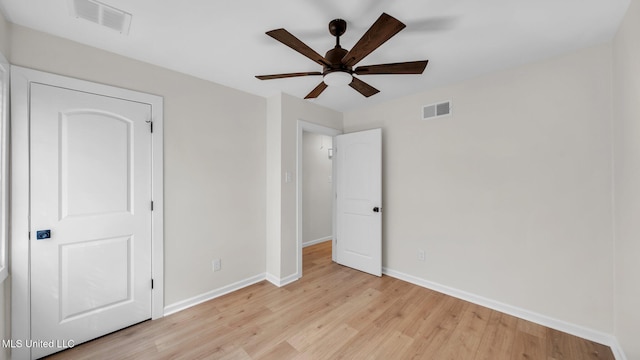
(151,284)
(151,205)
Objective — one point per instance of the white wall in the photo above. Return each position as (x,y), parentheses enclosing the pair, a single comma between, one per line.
(510,196)
(214,157)
(626,91)
(317,205)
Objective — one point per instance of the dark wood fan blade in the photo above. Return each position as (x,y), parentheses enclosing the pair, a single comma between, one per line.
(433,23)
(363,88)
(410,67)
(382,30)
(282,76)
(316,91)
(293,42)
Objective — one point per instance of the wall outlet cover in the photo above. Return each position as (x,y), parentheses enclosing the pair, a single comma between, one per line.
(217,264)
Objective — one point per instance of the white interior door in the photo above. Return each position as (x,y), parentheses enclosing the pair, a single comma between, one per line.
(359,200)
(90,251)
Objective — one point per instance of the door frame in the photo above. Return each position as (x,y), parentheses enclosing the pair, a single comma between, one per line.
(21,78)
(322,130)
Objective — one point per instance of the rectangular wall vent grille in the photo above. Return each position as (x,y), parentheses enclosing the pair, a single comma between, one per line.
(436,110)
(102,14)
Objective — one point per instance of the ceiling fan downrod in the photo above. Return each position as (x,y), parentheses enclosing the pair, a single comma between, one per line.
(337,27)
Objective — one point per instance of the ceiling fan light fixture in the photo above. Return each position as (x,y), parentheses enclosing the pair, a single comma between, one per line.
(337,78)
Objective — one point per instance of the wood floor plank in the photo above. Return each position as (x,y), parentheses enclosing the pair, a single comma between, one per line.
(281,351)
(589,350)
(334,312)
(528,347)
(400,313)
(260,293)
(436,330)
(498,338)
(319,329)
(465,338)
(238,354)
(532,328)
(558,345)
(428,301)
(364,345)
(328,343)
(364,317)
(395,343)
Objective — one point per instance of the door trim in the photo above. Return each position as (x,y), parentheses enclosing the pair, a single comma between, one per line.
(317,129)
(20,195)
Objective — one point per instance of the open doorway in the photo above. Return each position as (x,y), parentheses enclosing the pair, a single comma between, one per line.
(315,187)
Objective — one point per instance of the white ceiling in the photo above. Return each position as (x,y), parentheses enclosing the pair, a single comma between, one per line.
(224,41)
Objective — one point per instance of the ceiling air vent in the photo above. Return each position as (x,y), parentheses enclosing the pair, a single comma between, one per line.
(102,14)
(436,110)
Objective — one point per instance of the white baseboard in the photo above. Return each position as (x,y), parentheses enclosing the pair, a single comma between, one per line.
(573,329)
(316,241)
(280,282)
(184,304)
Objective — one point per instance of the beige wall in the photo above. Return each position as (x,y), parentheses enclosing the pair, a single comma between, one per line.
(214,157)
(274,185)
(317,204)
(626,91)
(294,109)
(5,35)
(510,196)
(284,111)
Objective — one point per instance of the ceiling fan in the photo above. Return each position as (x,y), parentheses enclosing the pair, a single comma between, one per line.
(338,62)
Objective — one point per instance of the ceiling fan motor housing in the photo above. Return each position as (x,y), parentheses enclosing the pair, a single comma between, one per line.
(334,56)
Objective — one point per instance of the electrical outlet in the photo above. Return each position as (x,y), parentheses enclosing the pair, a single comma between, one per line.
(420,255)
(217,264)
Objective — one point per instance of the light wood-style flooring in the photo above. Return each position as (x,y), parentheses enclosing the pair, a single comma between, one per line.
(335,312)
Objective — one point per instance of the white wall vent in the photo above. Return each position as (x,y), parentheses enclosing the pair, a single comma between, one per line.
(436,110)
(102,14)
